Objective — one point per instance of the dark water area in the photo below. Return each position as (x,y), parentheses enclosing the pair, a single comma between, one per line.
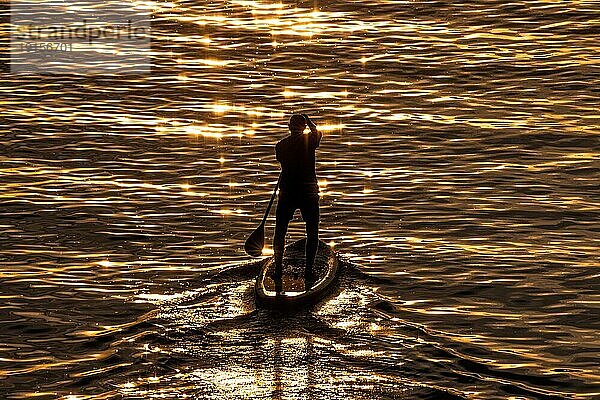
(459,175)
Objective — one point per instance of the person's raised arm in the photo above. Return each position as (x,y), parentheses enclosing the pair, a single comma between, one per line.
(313,130)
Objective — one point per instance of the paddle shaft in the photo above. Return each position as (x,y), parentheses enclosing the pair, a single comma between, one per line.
(271,202)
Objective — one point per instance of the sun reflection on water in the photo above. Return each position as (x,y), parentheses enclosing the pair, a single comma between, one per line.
(458,168)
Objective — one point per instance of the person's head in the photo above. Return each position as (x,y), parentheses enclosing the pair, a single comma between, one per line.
(297,124)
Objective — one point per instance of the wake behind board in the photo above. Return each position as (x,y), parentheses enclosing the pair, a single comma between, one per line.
(294,294)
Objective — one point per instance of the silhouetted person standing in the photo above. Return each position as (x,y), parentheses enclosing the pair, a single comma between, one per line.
(298,190)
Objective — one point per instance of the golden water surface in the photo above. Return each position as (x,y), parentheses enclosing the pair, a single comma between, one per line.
(459,174)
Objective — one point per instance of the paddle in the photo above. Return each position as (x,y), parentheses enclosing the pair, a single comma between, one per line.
(256,241)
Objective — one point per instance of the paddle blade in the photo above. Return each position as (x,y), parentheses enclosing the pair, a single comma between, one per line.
(255,243)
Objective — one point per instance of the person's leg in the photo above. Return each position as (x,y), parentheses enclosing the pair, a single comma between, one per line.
(310,214)
(312,245)
(279,244)
(284,214)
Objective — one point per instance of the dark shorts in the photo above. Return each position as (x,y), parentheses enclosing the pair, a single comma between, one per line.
(308,203)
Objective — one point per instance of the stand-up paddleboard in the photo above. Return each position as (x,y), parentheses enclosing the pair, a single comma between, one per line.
(294,293)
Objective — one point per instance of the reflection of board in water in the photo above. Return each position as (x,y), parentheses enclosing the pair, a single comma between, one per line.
(294,291)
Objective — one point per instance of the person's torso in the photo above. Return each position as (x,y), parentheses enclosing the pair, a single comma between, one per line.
(297,157)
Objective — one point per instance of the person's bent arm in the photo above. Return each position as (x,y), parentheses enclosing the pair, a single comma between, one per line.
(313,129)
